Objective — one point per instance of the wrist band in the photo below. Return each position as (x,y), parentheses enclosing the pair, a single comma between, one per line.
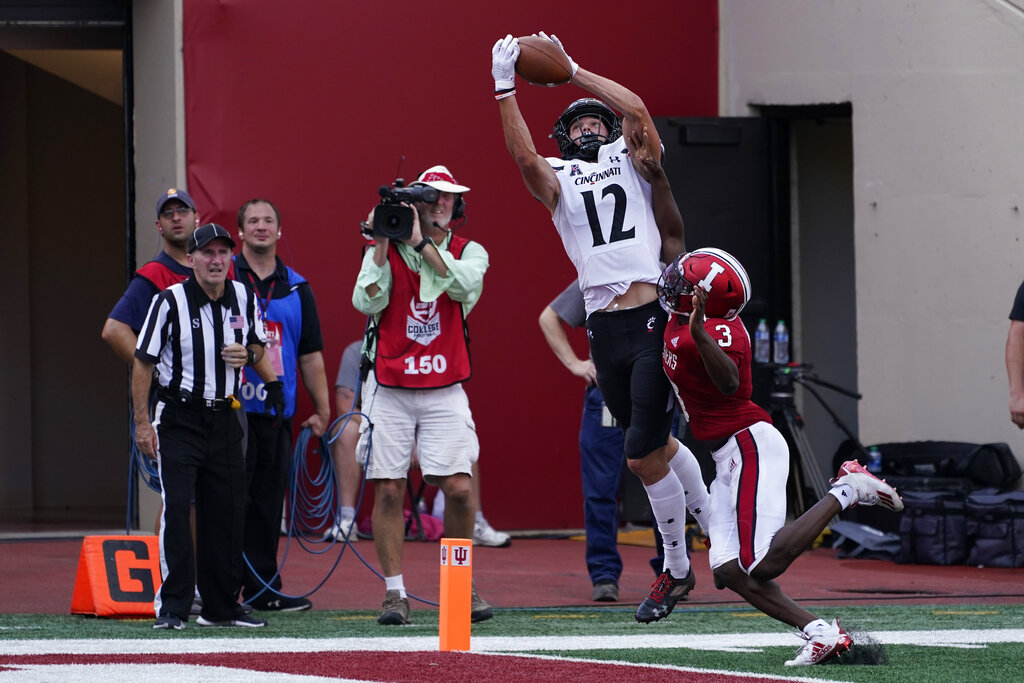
(419,247)
(250,356)
(502,94)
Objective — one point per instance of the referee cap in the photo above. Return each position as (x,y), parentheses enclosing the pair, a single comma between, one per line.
(441,179)
(174,193)
(205,234)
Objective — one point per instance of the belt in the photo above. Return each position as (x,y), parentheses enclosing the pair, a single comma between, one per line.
(185,398)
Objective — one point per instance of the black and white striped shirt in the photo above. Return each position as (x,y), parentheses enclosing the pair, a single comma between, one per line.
(185,331)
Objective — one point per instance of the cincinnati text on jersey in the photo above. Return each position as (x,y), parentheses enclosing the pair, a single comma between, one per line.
(594,177)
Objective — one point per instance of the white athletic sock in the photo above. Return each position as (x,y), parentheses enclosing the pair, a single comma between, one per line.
(668,504)
(698,502)
(348,512)
(816,627)
(480,517)
(395,583)
(845,494)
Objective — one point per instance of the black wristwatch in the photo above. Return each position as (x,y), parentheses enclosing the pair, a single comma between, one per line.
(250,356)
(419,247)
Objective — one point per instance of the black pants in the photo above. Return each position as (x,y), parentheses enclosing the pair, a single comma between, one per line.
(266,474)
(626,348)
(200,457)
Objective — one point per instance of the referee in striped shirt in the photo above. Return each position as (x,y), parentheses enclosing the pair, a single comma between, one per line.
(199,334)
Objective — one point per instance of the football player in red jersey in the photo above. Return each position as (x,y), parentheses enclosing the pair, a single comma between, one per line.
(707,358)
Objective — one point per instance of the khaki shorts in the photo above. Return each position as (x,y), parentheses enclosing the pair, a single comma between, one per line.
(436,424)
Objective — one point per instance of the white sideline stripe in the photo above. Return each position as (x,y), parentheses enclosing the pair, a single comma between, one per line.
(730,642)
(152,673)
(670,667)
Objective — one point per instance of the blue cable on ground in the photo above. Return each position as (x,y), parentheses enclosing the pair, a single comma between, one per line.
(313,500)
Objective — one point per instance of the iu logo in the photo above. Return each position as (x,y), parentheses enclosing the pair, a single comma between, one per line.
(460,555)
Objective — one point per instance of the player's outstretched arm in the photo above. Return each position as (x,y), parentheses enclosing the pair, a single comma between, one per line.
(721,369)
(537,173)
(634,111)
(663,203)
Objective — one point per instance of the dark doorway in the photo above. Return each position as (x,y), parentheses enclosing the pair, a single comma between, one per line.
(63,129)
(776,191)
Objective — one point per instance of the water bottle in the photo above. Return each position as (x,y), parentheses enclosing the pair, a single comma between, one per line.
(874,465)
(762,340)
(781,344)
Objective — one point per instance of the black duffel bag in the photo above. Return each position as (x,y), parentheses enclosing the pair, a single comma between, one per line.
(933,528)
(995,528)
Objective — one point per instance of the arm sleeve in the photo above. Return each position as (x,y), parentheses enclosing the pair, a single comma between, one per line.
(370,273)
(348,369)
(153,334)
(465,280)
(1017,312)
(310,337)
(133,306)
(257,330)
(569,305)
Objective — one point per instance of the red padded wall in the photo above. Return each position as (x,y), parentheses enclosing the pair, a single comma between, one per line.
(315,104)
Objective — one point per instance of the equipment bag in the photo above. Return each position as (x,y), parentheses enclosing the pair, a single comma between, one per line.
(933,529)
(995,529)
(990,464)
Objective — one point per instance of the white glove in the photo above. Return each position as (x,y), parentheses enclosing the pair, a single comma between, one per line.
(503,62)
(554,39)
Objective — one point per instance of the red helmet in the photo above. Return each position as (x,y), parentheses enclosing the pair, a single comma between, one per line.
(718,272)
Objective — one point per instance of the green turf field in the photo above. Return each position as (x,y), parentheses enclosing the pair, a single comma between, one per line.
(897,643)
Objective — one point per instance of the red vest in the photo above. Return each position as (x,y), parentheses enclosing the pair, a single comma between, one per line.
(160,275)
(421,345)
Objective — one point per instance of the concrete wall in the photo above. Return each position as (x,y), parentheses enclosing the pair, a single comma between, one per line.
(159,122)
(937,90)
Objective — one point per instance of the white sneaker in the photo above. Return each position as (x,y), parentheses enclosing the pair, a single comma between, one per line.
(822,647)
(341,531)
(484,534)
(870,489)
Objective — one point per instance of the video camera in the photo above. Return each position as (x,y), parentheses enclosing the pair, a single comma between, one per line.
(390,218)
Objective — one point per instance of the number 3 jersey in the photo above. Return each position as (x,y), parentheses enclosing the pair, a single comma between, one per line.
(422,344)
(607,227)
(712,415)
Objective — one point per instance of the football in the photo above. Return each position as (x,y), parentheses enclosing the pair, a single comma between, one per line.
(541,62)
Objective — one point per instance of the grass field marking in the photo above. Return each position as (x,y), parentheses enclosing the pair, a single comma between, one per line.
(950,638)
(969,613)
(729,642)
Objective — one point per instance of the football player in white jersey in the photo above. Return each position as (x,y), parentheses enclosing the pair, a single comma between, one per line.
(600,197)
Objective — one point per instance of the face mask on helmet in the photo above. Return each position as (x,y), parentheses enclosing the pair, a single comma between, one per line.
(585,147)
(717,271)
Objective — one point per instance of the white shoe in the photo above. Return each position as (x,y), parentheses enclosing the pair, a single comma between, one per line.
(822,647)
(870,489)
(484,534)
(341,531)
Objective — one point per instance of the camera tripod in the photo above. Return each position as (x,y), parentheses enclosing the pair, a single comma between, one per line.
(783,411)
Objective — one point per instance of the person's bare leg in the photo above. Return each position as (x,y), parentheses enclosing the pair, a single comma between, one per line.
(459,506)
(764,595)
(796,537)
(388,524)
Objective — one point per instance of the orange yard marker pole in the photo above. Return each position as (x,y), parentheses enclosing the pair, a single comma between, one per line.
(456,587)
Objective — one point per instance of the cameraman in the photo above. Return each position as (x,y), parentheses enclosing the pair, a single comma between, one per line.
(433,278)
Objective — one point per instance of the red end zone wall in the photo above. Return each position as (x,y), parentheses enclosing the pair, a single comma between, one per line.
(314,105)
